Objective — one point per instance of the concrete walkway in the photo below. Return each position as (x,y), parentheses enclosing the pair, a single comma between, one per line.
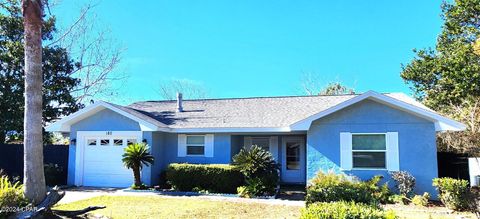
(81,193)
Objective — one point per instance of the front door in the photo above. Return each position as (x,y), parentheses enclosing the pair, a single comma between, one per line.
(293,160)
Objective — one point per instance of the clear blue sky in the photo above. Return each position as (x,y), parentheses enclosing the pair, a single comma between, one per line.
(262,48)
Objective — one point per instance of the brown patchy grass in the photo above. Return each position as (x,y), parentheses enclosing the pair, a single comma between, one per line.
(161,207)
(432,211)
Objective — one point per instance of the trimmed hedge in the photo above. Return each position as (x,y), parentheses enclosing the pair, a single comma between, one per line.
(344,210)
(221,178)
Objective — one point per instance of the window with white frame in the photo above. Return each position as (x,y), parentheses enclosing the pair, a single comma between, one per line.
(369,151)
(263,142)
(195,145)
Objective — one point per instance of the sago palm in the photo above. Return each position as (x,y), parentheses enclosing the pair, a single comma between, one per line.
(255,162)
(135,156)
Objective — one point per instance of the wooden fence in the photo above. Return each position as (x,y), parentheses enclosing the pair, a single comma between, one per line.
(11,159)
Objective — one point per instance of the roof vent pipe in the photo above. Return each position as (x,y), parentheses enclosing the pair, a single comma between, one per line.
(179,102)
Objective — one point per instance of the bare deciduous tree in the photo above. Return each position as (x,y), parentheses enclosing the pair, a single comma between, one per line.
(312,85)
(190,90)
(34,178)
(97,54)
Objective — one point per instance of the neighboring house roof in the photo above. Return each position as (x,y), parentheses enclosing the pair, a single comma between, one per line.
(274,114)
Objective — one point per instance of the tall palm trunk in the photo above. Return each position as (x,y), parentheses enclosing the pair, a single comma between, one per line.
(136,176)
(34,179)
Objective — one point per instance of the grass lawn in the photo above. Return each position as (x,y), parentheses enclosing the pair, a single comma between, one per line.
(161,207)
(411,211)
(196,207)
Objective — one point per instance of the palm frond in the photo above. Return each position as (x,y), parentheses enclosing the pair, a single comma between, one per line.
(137,155)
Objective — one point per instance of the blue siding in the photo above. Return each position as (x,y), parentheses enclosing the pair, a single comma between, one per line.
(71,165)
(104,120)
(155,141)
(221,151)
(417,146)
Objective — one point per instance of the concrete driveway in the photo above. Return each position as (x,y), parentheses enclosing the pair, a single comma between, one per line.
(79,193)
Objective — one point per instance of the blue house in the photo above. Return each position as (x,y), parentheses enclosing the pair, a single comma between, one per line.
(359,134)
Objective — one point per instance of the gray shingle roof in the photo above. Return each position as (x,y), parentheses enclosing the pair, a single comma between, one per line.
(258,112)
(141,114)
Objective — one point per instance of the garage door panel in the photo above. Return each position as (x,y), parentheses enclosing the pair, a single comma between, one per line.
(104,169)
(108,162)
(103,164)
(100,158)
(107,171)
(110,180)
(103,154)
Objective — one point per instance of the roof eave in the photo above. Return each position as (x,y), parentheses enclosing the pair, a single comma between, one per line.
(64,124)
(441,123)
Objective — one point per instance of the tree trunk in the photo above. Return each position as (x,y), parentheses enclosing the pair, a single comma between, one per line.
(136,176)
(34,179)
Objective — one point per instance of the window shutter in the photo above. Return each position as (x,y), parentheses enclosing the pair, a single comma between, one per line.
(182,145)
(209,145)
(247,142)
(274,147)
(393,161)
(346,150)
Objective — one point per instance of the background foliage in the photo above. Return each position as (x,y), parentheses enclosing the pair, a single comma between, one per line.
(57,67)
(447,78)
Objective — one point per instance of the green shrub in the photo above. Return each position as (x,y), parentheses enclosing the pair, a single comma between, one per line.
(162,182)
(421,200)
(474,200)
(258,165)
(398,199)
(54,174)
(11,195)
(453,193)
(404,182)
(382,193)
(222,178)
(139,187)
(331,187)
(344,210)
(253,187)
(243,192)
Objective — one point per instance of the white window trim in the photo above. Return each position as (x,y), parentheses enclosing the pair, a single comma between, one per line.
(385,151)
(204,146)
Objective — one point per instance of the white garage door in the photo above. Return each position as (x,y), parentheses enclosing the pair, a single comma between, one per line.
(103,161)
